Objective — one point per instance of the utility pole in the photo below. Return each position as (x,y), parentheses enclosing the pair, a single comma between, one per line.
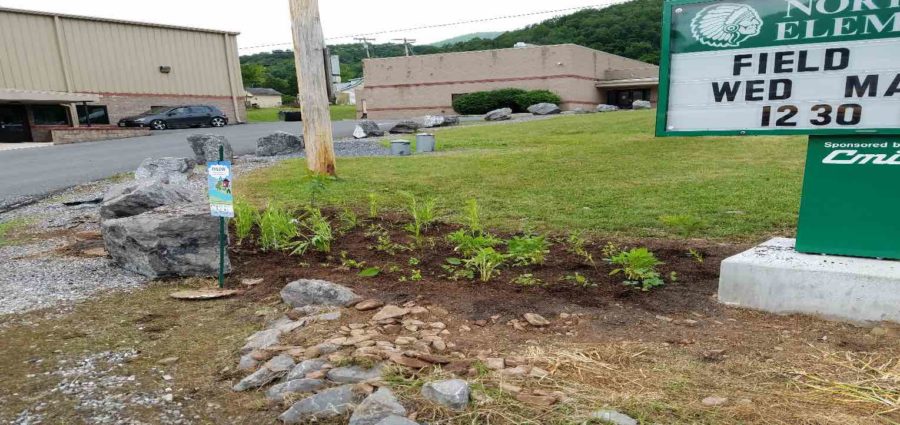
(365,43)
(406,44)
(309,54)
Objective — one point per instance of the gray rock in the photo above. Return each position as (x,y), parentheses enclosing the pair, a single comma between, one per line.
(613,417)
(544,109)
(324,405)
(606,108)
(353,374)
(279,143)
(306,292)
(396,420)
(431,121)
(281,363)
(641,104)
(257,379)
(137,197)
(247,363)
(305,367)
(174,170)
(405,127)
(499,115)
(278,392)
(170,241)
(452,393)
(376,407)
(367,129)
(206,147)
(260,340)
(580,111)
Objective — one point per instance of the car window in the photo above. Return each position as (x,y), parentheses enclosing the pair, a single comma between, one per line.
(199,110)
(180,111)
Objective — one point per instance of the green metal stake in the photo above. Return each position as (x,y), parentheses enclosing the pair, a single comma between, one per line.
(221,235)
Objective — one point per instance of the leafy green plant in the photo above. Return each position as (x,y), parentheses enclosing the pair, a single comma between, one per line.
(697,256)
(528,249)
(455,269)
(413,261)
(673,277)
(415,275)
(369,272)
(473,217)
(348,219)
(318,234)
(579,279)
(684,225)
(467,244)
(639,267)
(373,205)
(350,263)
(486,262)
(276,229)
(423,214)
(578,246)
(383,241)
(245,216)
(528,280)
(610,250)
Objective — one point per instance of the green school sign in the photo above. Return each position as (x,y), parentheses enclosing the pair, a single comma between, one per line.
(780,67)
(826,68)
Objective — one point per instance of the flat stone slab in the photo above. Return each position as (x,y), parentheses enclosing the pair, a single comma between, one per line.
(774,277)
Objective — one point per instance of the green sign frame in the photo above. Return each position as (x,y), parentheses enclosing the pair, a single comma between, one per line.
(664,91)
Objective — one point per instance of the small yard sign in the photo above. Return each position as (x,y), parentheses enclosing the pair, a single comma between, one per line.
(221,197)
(780,67)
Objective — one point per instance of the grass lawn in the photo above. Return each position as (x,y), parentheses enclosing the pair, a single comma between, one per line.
(605,174)
(338,112)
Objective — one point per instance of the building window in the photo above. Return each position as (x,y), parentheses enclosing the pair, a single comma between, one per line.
(50,115)
(97,113)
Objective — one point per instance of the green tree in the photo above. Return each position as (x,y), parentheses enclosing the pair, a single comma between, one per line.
(254,74)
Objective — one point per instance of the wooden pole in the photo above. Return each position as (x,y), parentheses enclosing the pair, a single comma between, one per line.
(309,56)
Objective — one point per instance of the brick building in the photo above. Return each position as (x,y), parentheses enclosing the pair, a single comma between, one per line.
(75,74)
(427,84)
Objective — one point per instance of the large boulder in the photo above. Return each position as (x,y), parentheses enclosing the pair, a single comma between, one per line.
(295,386)
(173,170)
(641,104)
(452,393)
(380,405)
(206,147)
(606,108)
(279,143)
(367,129)
(544,109)
(137,197)
(499,115)
(431,121)
(272,370)
(405,127)
(306,292)
(170,241)
(327,404)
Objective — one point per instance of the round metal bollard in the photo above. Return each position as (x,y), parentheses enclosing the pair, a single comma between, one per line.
(425,142)
(400,148)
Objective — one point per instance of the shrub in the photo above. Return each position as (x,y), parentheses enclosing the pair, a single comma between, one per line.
(486,262)
(639,267)
(529,249)
(467,244)
(534,97)
(276,229)
(518,100)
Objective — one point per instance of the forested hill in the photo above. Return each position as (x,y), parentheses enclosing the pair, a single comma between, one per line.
(630,29)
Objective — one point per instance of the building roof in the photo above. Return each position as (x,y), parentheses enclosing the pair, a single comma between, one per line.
(114,21)
(261,91)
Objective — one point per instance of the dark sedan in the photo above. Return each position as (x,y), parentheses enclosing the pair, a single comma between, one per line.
(177,117)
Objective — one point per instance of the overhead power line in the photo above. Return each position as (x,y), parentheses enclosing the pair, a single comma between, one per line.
(471,21)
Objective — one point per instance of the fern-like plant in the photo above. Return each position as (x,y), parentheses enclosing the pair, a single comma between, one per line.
(639,267)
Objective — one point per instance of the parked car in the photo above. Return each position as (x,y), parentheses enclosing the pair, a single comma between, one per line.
(177,117)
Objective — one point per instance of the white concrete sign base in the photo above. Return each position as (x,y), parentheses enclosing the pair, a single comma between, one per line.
(774,277)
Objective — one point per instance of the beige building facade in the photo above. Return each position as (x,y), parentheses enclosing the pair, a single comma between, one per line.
(582,77)
(264,98)
(63,72)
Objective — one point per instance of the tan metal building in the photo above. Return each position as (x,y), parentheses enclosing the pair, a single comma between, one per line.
(63,72)
(582,77)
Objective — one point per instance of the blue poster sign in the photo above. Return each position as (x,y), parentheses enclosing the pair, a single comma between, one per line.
(221,196)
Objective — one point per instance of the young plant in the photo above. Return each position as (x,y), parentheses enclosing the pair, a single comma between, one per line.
(383,240)
(423,214)
(244,218)
(486,262)
(697,256)
(472,217)
(467,244)
(529,249)
(578,246)
(276,229)
(610,250)
(349,220)
(578,279)
(349,263)
(415,275)
(527,280)
(373,205)
(639,267)
(684,225)
(318,234)
(456,270)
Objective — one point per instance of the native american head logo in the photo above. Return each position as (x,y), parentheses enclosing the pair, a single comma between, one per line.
(726,24)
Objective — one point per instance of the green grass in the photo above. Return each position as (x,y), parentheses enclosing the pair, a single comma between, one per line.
(338,112)
(604,174)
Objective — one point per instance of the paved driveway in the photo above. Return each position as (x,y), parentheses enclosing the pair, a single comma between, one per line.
(32,172)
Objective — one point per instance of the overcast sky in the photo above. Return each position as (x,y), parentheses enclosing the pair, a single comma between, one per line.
(263,22)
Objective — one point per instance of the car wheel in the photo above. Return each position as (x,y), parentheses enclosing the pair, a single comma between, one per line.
(158,125)
(217,122)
